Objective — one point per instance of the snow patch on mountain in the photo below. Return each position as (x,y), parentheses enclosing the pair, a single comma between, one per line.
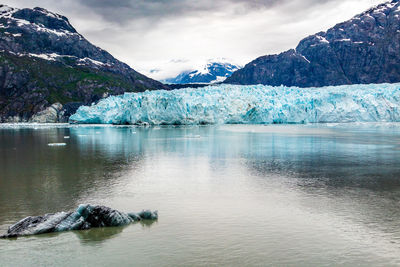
(51,56)
(86,60)
(6,11)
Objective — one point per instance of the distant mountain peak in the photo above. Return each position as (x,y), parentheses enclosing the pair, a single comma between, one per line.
(213,71)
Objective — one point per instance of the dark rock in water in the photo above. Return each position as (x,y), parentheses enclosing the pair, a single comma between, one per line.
(362,50)
(85,217)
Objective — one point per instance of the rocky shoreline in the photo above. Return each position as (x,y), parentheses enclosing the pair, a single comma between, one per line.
(56,113)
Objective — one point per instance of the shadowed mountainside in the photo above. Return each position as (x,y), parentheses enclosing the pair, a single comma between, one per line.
(362,50)
(48,69)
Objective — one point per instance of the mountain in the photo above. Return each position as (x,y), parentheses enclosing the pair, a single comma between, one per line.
(48,69)
(211,72)
(362,50)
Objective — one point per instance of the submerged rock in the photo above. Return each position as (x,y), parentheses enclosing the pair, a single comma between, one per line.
(85,217)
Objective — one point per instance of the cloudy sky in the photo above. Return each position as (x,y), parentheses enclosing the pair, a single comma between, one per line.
(163,37)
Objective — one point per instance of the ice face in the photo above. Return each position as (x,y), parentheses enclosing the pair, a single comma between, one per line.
(252,104)
(84,217)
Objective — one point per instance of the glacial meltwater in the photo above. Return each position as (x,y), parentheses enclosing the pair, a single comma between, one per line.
(228,195)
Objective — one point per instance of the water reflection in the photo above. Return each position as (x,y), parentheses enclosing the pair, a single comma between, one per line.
(354,176)
(98,235)
(37,179)
(95,236)
(330,189)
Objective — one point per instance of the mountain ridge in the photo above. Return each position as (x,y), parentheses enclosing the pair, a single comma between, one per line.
(45,61)
(364,49)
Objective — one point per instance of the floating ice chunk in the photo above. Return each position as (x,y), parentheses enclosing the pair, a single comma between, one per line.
(193,136)
(57,144)
(84,217)
(251,104)
(66,137)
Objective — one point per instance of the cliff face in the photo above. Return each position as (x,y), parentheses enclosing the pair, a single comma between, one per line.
(44,60)
(365,49)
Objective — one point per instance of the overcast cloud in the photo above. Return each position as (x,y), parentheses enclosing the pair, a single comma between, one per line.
(161,38)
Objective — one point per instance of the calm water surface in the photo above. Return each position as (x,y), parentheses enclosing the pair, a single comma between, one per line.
(226,195)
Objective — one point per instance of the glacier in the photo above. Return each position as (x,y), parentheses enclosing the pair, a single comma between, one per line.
(247,104)
(86,216)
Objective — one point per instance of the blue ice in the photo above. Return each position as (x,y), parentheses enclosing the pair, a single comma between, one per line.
(249,104)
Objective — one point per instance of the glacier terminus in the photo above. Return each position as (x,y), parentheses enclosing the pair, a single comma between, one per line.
(248,104)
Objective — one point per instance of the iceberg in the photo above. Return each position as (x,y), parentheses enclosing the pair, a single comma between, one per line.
(86,216)
(57,144)
(248,104)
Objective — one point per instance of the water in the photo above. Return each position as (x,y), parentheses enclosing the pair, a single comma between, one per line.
(227,195)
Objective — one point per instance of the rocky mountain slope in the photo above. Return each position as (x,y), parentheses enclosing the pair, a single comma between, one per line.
(211,72)
(47,69)
(365,49)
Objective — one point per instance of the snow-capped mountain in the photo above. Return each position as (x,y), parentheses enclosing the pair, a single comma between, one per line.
(212,72)
(44,60)
(362,50)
